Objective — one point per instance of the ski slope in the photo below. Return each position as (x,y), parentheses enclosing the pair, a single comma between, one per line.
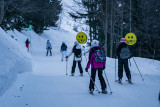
(49,86)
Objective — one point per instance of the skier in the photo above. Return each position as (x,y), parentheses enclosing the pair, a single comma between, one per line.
(77,50)
(63,50)
(123,54)
(96,65)
(27,43)
(48,47)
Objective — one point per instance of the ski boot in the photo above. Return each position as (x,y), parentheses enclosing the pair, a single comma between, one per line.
(129,81)
(81,74)
(119,81)
(91,91)
(104,91)
(72,74)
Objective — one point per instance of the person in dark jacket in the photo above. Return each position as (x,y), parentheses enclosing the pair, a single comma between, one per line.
(63,50)
(100,66)
(123,60)
(27,43)
(49,48)
(77,57)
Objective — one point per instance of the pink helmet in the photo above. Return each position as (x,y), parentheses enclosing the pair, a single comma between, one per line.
(123,40)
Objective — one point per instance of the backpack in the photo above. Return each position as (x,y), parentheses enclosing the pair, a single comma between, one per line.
(99,56)
(125,53)
(78,53)
(64,47)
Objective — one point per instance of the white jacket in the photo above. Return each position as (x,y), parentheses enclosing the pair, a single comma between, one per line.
(74,57)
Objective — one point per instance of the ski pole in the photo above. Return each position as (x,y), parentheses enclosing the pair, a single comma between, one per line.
(115,69)
(85,56)
(108,82)
(66,66)
(138,69)
(93,82)
(129,62)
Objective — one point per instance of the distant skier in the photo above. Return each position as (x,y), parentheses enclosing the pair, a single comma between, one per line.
(63,50)
(96,65)
(27,43)
(77,51)
(123,54)
(49,48)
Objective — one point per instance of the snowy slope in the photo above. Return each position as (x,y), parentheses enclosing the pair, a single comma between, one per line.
(14,59)
(48,86)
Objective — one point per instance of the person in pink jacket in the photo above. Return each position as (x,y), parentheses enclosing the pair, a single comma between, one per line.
(100,66)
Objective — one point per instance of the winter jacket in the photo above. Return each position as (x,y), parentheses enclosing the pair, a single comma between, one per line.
(63,47)
(48,45)
(92,62)
(74,57)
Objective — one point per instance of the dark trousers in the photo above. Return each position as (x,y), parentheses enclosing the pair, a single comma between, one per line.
(121,63)
(49,50)
(74,66)
(100,76)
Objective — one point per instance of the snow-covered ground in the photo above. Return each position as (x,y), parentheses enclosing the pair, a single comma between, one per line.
(49,86)
(14,58)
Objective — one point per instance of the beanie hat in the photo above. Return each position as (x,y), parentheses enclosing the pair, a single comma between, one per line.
(94,43)
(76,43)
(123,40)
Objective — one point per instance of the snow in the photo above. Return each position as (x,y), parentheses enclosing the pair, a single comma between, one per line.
(49,86)
(14,59)
(31,79)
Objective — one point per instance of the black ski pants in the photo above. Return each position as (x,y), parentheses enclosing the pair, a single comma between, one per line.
(100,76)
(49,50)
(74,66)
(121,63)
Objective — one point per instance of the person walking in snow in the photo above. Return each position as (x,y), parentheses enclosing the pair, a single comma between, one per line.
(63,50)
(49,48)
(27,43)
(123,54)
(96,66)
(77,57)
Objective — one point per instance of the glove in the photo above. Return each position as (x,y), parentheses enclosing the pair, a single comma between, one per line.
(83,46)
(66,56)
(103,68)
(86,69)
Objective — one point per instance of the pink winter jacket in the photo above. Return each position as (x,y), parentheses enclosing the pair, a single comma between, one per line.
(95,64)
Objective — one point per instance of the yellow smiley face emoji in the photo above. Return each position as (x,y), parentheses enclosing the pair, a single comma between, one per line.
(131,38)
(81,38)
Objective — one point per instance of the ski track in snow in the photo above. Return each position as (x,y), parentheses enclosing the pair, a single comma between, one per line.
(48,85)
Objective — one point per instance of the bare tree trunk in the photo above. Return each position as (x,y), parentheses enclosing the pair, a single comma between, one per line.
(106,30)
(122,19)
(2,11)
(111,34)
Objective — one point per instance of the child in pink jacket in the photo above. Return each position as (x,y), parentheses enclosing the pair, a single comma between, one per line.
(100,66)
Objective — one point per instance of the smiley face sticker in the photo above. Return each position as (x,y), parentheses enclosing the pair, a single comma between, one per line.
(131,38)
(81,38)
